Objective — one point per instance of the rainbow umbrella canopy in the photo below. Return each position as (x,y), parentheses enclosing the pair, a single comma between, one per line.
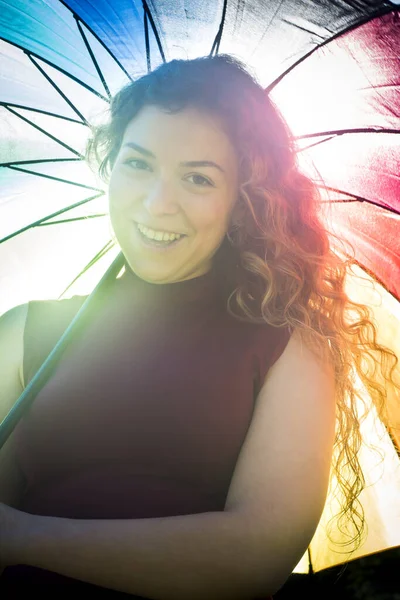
(333,69)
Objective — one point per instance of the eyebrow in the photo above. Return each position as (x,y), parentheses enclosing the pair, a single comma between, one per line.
(190,163)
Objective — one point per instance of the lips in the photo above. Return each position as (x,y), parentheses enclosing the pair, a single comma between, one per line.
(160,230)
(166,242)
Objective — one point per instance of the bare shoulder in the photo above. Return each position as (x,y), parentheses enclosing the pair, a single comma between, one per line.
(282,474)
(12,325)
(14,317)
(301,354)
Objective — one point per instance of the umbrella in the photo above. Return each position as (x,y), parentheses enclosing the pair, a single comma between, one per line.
(333,70)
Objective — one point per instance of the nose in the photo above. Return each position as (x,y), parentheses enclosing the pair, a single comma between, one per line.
(161,199)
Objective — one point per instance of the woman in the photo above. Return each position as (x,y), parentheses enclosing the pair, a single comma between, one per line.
(183,447)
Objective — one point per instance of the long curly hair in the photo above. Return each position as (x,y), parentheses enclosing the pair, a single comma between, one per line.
(279,262)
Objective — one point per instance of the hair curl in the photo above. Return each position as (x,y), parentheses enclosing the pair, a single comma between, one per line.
(280,263)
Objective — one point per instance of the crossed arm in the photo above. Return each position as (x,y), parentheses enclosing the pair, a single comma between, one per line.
(273,506)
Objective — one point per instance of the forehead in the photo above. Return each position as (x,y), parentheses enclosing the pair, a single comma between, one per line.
(188,130)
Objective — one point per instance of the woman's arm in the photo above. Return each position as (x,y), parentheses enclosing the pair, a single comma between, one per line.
(200,556)
(12,325)
(274,503)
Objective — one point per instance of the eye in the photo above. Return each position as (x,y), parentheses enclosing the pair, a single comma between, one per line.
(130,162)
(204,182)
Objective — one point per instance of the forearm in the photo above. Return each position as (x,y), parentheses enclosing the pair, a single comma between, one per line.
(207,555)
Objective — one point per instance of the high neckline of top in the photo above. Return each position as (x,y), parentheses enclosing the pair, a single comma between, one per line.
(199,289)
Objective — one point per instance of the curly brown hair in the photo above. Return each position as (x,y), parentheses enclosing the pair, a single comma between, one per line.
(280,263)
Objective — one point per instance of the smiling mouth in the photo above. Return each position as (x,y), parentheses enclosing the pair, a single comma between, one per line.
(159,236)
(158,239)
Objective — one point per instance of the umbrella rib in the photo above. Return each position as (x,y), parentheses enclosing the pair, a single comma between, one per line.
(156,35)
(393,438)
(110,244)
(218,37)
(42,112)
(58,90)
(297,26)
(40,221)
(146,40)
(305,148)
(356,198)
(53,178)
(44,131)
(375,277)
(310,567)
(94,34)
(73,219)
(39,161)
(96,64)
(373,15)
(337,132)
(331,135)
(60,69)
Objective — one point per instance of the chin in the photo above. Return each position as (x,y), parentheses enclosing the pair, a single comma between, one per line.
(151,275)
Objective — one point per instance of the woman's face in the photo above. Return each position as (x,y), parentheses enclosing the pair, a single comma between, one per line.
(174,174)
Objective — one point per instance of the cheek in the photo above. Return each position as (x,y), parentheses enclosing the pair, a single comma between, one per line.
(120,191)
(213,219)
(113,190)
(218,212)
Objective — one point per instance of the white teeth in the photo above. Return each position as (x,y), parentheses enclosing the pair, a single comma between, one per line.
(158,235)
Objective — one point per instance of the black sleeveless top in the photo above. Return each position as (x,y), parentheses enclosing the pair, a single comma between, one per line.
(147,411)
